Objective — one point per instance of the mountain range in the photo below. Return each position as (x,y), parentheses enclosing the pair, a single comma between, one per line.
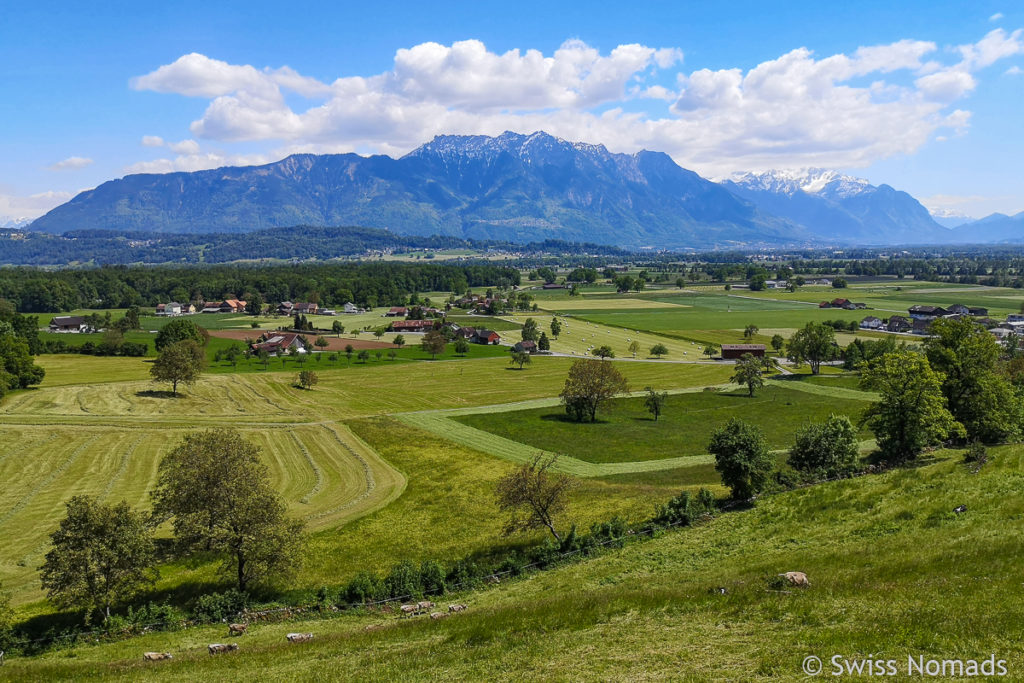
(513,187)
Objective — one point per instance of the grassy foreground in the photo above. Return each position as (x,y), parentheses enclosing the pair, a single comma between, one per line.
(894,573)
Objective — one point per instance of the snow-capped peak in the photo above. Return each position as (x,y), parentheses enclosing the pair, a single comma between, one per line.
(809,180)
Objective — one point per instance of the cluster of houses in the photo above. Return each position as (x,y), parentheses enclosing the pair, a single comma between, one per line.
(280,343)
(919,318)
(845,304)
(173,308)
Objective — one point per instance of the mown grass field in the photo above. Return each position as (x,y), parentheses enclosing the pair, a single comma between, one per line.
(626,432)
(894,573)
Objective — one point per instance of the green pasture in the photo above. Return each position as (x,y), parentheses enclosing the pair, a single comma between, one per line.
(894,574)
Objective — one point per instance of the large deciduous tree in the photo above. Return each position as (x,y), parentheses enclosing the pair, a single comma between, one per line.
(741,458)
(534,495)
(912,412)
(100,555)
(179,363)
(978,396)
(219,497)
(18,370)
(748,373)
(433,343)
(589,385)
(814,345)
(180,329)
(825,450)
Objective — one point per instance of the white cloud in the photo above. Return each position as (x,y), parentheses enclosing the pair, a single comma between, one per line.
(31,206)
(996,17)
(1014,71)
(198,161)
(793,111)
(152,141)
(70,164)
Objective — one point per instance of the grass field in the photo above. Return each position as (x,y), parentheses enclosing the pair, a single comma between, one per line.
(894,573)
(627,433)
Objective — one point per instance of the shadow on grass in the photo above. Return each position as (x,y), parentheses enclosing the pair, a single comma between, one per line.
(157,393)
(568,419)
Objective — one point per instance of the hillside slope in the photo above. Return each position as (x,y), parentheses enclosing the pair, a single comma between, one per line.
(512,187)
(894,573)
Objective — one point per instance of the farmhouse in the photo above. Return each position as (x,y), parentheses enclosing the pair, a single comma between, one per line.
(288,308)
(486,337)
(959,309)
(552,285)
(527,346)
(841,303)
(69,323)
(921,325)
(351,309)
(737,350)
(280,342)
(898,323)
(412,325)
(172,308)
(871,323)
(465,332)
(397,312)
(977,310)
(927,312)
(226,306)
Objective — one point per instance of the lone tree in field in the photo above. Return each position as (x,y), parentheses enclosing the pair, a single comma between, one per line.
(710,350)
(100,556)
(307,379)
(349,350)
(659,350)
(748,373)
(741,458)
(589,385)
(321,343)
(778,341)
(655,402)
(219,497)
(544,344)
(634,347)
(363,356)
(398,341)
(534,495)
(814,345)
(179,363)
(337,328)
(461,346)
(825,450)
(750,331)
(603,352)
(556,328)
(520,358)
(180,329)
(912,413)
(433,343)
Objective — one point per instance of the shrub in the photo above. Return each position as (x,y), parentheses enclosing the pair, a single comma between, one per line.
(403,581)
(364,587)
(825,450)
(432,578)
(741,458)
(219,606)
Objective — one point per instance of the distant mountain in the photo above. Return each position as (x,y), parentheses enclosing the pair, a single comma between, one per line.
(840,208)
(11,223)
(997,227)
(512,187)
(950,219)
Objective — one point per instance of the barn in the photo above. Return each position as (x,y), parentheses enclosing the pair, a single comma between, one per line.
(735,351)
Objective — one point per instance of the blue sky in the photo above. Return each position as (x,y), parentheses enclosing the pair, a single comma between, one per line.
(924,96)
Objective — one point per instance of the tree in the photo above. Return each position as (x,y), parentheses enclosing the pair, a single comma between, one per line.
(710,350)
(100,555)
(530,331)
(433,343)
(349,350)
(363,355)
(911,413)
(654,402)
(556,328)
(307,379)
(839,283)
(461,346)
(603,352)
(520,358)
(219,498)
(179,363)
(18,369)
(634,347)
(814,344)
(590,384)
(778,341)
(749,331)
(179,329)
(741,458)
(254,304)
(379,332)
(979,396)
(748,373)
(392,354)
(337,328)
(534,496)
(131,318)
(825,450)
(544,344)
(321,343)
(659,350)
(264,357)
(398,341)
(757,283)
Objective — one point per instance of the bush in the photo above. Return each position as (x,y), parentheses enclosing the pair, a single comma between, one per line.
(213,607)
(364,587)
(162,617)
(464,574)
(432,578)
(741,458)
(403,581)
(825,450)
